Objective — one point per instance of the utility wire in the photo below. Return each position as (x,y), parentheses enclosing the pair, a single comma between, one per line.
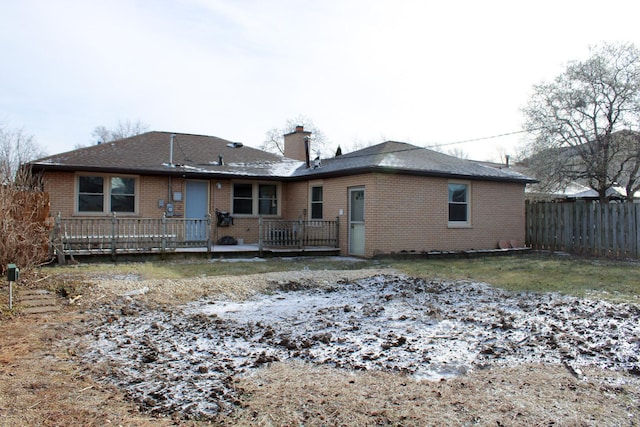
(479,139)
(442,145)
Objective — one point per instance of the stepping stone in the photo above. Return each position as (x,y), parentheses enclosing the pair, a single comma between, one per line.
(41,309)
(36,301)
(30,293)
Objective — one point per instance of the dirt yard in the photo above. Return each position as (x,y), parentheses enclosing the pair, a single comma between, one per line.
(318,348)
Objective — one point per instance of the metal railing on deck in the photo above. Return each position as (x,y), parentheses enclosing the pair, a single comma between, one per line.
(113,235)
(279,233)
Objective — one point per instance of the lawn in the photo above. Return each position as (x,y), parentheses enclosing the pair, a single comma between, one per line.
(607,279)
(47,380)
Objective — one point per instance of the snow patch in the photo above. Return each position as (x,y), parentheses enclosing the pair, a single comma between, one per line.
(181,360)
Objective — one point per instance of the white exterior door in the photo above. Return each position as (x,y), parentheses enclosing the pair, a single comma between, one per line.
(356,221)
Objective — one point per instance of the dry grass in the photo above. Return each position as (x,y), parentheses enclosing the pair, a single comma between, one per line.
(295,394)
(613,280)
(44,383)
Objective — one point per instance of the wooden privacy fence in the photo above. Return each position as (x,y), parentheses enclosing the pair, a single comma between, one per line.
(585,228)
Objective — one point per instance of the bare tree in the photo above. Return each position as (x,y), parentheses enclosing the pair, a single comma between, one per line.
(574,118)
(457,152)
(17,147)
(359,144)
(123,129)
(629,160)
(274,138)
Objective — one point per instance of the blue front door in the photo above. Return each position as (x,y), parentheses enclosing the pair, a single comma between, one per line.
(196,210)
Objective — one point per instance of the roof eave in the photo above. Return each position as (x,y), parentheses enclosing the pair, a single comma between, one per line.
(168,171)
(413,172)
(317,173)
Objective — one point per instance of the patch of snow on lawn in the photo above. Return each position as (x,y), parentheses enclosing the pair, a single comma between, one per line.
(181,360)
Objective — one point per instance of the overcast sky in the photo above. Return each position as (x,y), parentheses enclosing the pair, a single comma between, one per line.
(424,72)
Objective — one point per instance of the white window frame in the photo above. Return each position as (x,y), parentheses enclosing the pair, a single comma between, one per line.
(460,224)
(106,194)
(255,199)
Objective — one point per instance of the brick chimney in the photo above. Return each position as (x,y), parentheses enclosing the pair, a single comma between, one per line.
(297,144)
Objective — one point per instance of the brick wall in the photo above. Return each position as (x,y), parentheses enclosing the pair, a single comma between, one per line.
(60,187)
(402,213)
(410,213)
(413,215)
(151,189)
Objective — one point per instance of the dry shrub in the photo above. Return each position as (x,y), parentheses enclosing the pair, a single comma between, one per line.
(23,220)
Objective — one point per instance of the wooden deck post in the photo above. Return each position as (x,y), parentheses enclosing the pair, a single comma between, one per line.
(260,236)
(58,243)
(163,240)
(208,235)
(114,222)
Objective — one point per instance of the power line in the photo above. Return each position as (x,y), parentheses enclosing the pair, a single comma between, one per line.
(479,139)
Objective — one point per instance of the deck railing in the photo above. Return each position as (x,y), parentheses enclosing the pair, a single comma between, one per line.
(113,235)
(278,233)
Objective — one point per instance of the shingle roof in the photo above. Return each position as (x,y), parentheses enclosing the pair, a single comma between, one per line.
(401,157)
(150,153)
(198,156)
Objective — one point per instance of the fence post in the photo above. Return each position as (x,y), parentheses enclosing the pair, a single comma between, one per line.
(114,222)
(163,230)
(260,237)
(636,235)
(526,222)
(208,235)
(337,233)
(57,242)
(301,234)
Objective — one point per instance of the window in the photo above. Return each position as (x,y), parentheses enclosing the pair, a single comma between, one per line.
(123,198)
(459,203)
(316,202)
(242,199)
(255,199)
(90,194)
(267,201)
(102,194)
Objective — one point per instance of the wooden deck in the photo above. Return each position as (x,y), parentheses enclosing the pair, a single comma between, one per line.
(117,237)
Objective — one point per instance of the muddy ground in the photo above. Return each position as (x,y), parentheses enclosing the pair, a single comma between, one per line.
(183,359)
(373,348)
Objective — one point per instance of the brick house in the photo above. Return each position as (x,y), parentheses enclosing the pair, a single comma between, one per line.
(388,198)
